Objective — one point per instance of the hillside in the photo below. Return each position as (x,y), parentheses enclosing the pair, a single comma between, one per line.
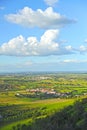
(73,117)
(43,101)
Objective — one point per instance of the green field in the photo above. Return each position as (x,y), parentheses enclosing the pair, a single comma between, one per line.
(25,98)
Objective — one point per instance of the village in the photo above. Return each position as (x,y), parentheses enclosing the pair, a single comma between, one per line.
(43,93)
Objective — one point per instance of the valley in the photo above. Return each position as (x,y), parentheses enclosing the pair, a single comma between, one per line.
(26,98)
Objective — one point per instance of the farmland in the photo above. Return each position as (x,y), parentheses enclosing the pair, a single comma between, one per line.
(25,98)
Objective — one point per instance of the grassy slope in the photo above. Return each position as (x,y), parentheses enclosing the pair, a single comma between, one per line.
(49,105)
(52,107)
(70,118)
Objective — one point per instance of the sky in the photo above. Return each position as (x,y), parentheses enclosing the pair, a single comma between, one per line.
(43,35)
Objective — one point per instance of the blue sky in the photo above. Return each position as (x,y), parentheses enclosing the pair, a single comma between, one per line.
(43,35)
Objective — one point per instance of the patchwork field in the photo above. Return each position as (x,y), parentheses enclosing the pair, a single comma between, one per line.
(24,98)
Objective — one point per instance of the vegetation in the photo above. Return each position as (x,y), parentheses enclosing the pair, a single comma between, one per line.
(43,101)
(73,117)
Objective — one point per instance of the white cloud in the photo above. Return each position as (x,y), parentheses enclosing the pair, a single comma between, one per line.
(19,46)
(71,61)
(74,61)
(83,49)
(51,2)
(69,48)
(43,19)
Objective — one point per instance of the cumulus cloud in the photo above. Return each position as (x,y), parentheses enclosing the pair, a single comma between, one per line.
(43,19)
(83,49)
(48,45)
(51,2)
